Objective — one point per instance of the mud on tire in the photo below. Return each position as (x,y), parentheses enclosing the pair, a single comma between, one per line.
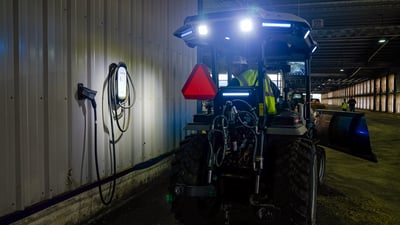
(189,167)
(295,182)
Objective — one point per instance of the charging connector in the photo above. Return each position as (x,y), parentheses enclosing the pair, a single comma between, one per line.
(86,93)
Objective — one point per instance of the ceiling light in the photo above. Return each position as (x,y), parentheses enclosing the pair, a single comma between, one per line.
(382,40)
(341,70)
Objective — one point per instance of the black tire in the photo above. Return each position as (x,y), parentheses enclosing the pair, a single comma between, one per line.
(295,182)
(321,158)
(189,167)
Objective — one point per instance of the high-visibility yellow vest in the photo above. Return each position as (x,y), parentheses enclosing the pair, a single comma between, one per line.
(344,106)
(249,78)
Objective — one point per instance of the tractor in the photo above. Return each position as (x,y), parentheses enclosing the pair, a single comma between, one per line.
(238,158)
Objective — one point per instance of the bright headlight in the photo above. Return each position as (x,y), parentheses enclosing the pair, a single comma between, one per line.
(202,29)
(246,25)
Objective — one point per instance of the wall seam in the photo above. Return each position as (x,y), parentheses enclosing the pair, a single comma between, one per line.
(17,106)
(46,98)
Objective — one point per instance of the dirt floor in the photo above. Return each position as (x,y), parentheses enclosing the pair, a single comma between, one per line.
(360,192)
(355,192)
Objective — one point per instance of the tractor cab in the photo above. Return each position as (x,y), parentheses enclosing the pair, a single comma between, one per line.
(277,45)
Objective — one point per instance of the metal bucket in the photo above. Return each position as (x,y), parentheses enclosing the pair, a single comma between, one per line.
(344,131)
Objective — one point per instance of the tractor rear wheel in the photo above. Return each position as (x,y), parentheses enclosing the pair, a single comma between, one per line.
(189,167)
(295,182)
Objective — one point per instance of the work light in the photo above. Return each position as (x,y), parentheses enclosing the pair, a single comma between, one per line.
(246,25)
(202,29)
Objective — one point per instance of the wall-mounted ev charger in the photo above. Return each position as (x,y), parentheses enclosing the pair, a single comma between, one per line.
(121,98)
(121,82)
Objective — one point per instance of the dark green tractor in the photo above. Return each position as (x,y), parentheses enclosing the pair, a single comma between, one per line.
(239,158)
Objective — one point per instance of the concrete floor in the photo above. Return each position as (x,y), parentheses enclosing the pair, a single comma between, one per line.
(356,192)
(360,192)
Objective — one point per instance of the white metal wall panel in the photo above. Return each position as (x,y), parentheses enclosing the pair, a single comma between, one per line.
(57,95)
(81,115)
(383,103)
(47,136)
(390,103)
(391,81)
(8,100)
(31,115)
(397,107)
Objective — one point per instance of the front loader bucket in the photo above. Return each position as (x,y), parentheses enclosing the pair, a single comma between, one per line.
(344,131)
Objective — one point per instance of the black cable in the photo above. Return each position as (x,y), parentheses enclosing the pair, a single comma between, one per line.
(111,192)
(113,104)
(113,158)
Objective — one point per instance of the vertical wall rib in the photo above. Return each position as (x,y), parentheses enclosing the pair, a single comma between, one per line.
(46,49)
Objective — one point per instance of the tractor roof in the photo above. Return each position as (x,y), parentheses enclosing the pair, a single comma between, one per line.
(279,33)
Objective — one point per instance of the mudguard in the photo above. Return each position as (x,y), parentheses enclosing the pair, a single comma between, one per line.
(344,131)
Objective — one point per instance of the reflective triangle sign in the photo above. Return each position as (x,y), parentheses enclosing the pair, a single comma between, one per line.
(199,85)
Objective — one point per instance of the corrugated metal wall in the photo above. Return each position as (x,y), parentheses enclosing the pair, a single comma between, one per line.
(46,48)
(379,94)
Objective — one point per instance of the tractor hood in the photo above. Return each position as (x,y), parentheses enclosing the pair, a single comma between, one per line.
(280,32)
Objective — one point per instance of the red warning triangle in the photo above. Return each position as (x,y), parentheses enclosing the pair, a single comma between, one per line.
(199,85)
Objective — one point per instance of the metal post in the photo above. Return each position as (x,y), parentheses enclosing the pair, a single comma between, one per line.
(261,86)
(396,77)
(308,91)
(214,66)
(387,93)
(200,6)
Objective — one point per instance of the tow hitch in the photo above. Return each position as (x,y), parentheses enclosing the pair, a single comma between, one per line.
(194,191)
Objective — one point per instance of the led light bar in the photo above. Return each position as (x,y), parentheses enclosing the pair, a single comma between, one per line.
(282,25)
(236,94)
(187,33)
(307,33)
(315,48)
